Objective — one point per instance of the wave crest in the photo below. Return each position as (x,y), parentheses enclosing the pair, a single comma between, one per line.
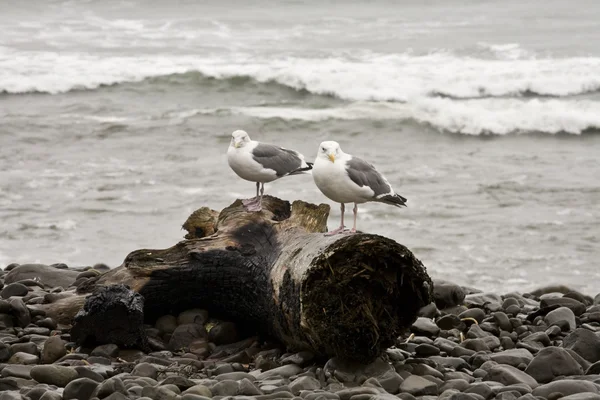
(368,77)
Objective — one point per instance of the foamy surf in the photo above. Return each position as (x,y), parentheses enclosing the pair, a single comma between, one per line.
(360,77)
(472,117)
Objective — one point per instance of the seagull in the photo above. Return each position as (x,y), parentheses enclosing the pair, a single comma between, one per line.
(262,163)
(348,179)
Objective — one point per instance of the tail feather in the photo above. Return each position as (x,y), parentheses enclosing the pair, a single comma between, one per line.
(393,199)
(301,170)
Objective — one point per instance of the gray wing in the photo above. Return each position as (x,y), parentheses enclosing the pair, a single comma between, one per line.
(282,161)
(364,174)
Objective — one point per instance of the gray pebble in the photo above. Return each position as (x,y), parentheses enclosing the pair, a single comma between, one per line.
(54,374)
(80,389)
(14,289)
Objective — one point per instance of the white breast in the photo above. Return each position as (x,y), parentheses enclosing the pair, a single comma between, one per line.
(243,164)
(333,181)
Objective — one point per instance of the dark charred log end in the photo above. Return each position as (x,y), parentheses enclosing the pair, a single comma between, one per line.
(112,314)
(201,223)
(363,291)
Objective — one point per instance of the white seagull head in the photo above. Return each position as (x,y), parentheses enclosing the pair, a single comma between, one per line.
(239,139)
(330,150)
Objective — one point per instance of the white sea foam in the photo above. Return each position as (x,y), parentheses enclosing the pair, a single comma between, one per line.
(378,77)
(473,117)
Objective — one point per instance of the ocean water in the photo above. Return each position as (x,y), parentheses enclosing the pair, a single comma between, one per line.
(115,118)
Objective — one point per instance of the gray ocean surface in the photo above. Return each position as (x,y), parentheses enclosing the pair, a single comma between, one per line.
(115,118)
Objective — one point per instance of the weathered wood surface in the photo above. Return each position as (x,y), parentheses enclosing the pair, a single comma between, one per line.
(343,295)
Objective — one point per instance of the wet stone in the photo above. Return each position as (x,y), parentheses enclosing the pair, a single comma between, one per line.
(418,386)
(17,371)
(224,332)
(425,326)
(450,321)
(476,313)
(27,347)
(53,374)
(447,294)
(106,350)
(80,389)
(585,343)
(23,358)
(14,289)
(425,350)
(552,362)
(561,314)
(166,324)
(54,349)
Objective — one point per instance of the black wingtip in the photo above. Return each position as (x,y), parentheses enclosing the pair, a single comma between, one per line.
(394,200)
(300,170)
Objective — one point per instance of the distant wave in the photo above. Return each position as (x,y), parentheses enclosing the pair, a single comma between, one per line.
(471,117)
(364,77)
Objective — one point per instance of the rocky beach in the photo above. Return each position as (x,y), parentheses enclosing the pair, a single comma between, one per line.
(465,345)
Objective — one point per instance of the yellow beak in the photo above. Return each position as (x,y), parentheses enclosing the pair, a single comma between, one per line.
(331,157)
(237,145)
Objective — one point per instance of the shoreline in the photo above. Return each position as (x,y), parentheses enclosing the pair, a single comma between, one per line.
(543,344)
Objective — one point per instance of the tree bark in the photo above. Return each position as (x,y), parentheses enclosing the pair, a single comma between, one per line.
(342,295)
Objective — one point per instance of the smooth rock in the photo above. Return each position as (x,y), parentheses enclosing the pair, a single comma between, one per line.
(577,307)
(247,388)
(581,396)
(481,299)
(585,343)
(225,388)
(109,386)
(49,276)
(193,316)
(50,395)
(166,324)
(17,371)
(284,371)
(561,314)
(450,321)
(513,357)
(199,390)
(509,375)
(20,311)
(27,347)
(23,358)
(80,389)
(304,383)
(158,393)
(426,350)
(106,350)
(225,332)
(184,335)
(476,313)
(145,369)
(565,387)
(116,396)
(54,374)
(54,348)
(447,294)
(418,386)
(553,362)
(425,326)
(14,289)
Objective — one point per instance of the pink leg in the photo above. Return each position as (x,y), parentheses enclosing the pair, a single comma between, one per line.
(355,210)
(341,228)
(250,202)
(257,205)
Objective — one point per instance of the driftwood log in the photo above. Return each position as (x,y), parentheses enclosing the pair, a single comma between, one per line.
(275,271)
